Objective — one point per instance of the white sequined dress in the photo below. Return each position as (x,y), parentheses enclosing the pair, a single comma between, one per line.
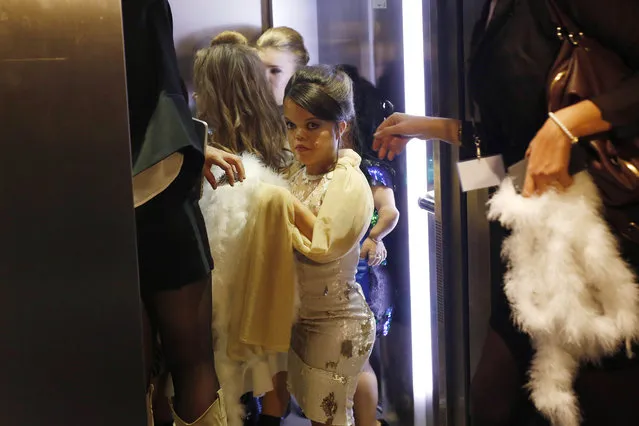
(336,329)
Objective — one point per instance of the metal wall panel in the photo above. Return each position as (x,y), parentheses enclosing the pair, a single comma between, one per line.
(345,34)
(195,22)
(70,316)
(302,16)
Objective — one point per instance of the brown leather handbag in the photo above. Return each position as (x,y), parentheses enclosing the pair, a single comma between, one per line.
(584,69)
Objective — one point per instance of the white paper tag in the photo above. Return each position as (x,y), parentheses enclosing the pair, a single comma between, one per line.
(481,173)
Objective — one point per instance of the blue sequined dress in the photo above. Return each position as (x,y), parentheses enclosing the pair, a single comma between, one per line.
(375,280)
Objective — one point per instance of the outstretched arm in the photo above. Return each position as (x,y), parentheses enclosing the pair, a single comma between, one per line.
(395,132)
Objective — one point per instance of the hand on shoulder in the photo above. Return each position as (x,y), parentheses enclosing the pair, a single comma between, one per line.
(230,163)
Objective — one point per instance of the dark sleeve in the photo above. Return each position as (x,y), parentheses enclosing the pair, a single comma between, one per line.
(615,24)
(140,59)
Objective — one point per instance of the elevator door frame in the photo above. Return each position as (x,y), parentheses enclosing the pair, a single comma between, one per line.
(71,315)
(453,384)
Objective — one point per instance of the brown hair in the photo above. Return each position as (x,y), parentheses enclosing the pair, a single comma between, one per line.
(285,39)
(229,37)
(235,99)
(324,91)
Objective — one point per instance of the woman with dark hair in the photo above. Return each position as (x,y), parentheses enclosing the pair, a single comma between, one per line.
(514,47)
(335,331)
(372,272)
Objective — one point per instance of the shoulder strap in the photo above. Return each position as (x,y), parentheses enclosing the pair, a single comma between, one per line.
(560,18)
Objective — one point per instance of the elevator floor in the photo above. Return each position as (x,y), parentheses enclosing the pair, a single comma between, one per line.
(294,420)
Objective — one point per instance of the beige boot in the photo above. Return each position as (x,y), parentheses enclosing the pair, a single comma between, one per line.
(215,415)
(149,406)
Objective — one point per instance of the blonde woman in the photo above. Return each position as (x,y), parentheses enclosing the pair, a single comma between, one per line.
(282,51)
(235,99)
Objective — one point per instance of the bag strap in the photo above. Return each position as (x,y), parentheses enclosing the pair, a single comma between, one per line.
(562,21)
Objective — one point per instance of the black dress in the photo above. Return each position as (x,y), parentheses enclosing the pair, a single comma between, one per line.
(509,64)
(173,249)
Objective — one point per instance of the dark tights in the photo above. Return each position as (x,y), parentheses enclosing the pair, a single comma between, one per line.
(496,394)
(610,397)
(183,319)
(607,397)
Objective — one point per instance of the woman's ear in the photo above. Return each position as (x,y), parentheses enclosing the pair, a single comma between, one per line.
(342,127)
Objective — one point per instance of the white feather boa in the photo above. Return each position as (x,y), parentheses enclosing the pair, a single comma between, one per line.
(226,211)
(568,287)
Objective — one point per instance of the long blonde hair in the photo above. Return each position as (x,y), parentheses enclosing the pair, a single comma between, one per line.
(235,99)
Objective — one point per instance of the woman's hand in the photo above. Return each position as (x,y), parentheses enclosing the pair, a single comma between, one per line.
(549,152)
(548,160)
(396,131)
(230,163)
(374,251)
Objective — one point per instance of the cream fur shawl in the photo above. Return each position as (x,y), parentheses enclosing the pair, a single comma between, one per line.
(228,214)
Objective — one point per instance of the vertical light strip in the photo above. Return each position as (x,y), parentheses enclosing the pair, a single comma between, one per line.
(416,165)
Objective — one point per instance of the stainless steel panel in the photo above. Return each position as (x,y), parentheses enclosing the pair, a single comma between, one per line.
(195,22)
(346,34)
(301,15)
(70,318)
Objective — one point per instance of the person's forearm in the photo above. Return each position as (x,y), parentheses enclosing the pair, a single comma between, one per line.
(450,131)
(304,219)
(386,222)
(443,129)
(583,119)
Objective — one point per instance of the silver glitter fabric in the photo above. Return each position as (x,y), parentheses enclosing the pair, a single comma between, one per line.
(335,331)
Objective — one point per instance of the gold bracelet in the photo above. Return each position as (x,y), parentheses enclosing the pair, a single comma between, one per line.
(573,138)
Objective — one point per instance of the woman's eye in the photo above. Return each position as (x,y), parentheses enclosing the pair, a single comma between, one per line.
(275,71)
(312,126)
(289,125)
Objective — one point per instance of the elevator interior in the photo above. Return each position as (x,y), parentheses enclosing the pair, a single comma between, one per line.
(64,126)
